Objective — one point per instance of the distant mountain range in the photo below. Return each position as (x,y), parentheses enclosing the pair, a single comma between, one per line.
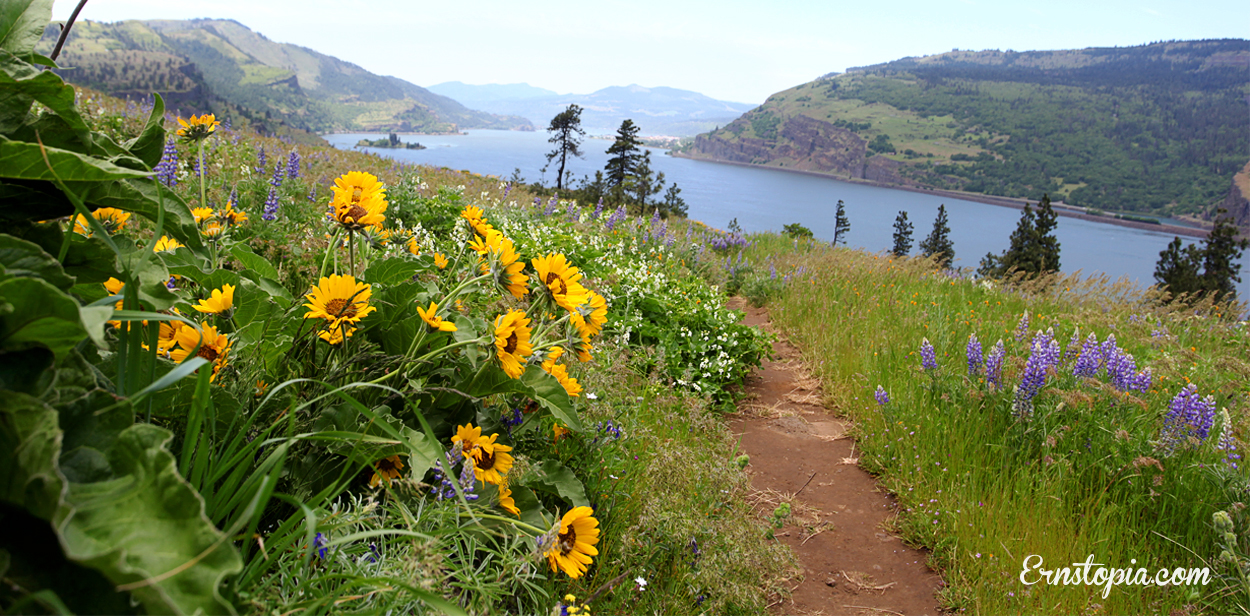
(657,111)
(1160,128)
(224,67)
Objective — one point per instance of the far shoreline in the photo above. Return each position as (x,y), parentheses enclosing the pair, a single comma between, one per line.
(1015,203)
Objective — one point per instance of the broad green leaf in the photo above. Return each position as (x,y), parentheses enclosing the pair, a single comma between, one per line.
(22,258)
(535,383)
(144,196)
(89,260)
(254,262)
(31,442)
(42,316)
(93,319)
(22,23)
(46,87)
(146,529)
(149,146)
(392,271)
(153,276)
(25,161)
(553,477)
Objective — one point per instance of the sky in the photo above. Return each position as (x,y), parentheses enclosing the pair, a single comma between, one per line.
(732,50)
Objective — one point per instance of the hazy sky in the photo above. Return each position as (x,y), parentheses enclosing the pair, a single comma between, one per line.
(729,49)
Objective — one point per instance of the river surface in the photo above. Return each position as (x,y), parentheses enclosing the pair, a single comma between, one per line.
(767,199)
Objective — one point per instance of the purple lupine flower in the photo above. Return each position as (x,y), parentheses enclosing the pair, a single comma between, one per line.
(1227,443)
(928,357)
(975,358)
(616,217)
(1088,361)
(598,210)
(1121,368)
(994,364)
(1142,381)
(319,545)
(271,206)
(609,429)
(292,165)
(882,397)
(1022,328)
(262,161)
(1044,355)
(572,211)
(276,180)
(167,169)
(772,271)
(1188,416)
(551,205)
(507,188)
(1074,350)
(1107,349)
(234,196)
(312,194)
(537,201)
(655,218)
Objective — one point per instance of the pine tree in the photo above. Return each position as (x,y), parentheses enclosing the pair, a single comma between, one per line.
(624,156)
(902,235)
(645,182)
(674,205)
(1220,269)
(1046,246)
(567,134)
(1034,248)
(939,245)
(1177,269)
(841,224)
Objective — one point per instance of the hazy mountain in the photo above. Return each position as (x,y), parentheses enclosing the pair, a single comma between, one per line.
(468,94)
(658,111)
(1157,128)
(224,66)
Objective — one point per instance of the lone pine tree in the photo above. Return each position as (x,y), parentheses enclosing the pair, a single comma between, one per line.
(1033,248)
(902,235)
(566,133)
(841,224)
(939,245)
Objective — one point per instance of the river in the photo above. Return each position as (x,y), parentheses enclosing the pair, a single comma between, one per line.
(767,199)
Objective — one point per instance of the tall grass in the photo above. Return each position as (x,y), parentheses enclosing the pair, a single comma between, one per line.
(1084,475)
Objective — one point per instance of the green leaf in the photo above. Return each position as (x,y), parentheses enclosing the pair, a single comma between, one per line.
(42,316)
(31,440)
(22,23)
(93,319)
(254,262)
(25,161)
(535,383)
(149,146)
(146,529)
(46,87)
(392,271)
(22,258)
(553,477)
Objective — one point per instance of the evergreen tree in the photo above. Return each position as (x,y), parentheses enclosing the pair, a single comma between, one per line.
(1046,246)
(645,183)
(938,244)
(1177,269)
(902,235)
(1034,248)
(1220,269)
(841,224)
(567,134)
(674,205)
(624,155)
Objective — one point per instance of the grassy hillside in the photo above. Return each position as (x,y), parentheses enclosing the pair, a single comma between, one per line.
(1158,128)
(225,65)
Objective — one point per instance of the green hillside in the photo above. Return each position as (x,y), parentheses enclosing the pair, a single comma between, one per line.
(1158,128)
(224,66)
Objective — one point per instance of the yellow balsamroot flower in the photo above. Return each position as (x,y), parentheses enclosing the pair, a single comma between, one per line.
(506,502)
(167,337)
(552,356)
(477,220)
(166,244)
(468,437)
(413,247)
(430,317)
(113,220)
(202,214)
(574,543)
(233,216)
(213,229)
(597,312)
(339,299)
(261,388)
(114,287)
(221,301)
(336,335)
(562,280)
(561,372)
(512,342)
(558,432)
(500,261)
(387,469)
(198,127)
(215,347)
(491,461)
(359,201)
(440,261)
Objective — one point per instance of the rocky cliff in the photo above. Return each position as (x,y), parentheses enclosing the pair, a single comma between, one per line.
(1237,202)
(806,144)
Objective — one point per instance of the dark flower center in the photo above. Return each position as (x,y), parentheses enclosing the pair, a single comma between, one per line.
(511,343)
(553,278)
(486,461)
(207,352)
(341,308)
(568,539)
(356,213)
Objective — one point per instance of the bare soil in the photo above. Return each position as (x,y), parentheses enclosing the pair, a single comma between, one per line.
(850,563)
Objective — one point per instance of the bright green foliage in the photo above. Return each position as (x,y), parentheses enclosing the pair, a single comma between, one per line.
(939,245)
(1212,269)
(1034,249)
(902,235)
(796,230)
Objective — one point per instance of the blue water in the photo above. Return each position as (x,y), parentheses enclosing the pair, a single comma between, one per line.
(767,199)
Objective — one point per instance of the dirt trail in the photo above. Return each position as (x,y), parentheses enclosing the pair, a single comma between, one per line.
(850,565)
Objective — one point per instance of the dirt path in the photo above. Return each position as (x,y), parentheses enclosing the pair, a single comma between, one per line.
(850,564)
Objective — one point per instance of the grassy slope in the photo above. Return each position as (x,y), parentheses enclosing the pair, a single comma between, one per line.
(983,491)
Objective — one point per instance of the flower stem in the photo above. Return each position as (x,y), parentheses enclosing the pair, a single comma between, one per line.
(516,523)
(203,191)
(325,261)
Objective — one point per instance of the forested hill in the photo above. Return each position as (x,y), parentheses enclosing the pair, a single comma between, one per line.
(222,66)
(1159,128)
